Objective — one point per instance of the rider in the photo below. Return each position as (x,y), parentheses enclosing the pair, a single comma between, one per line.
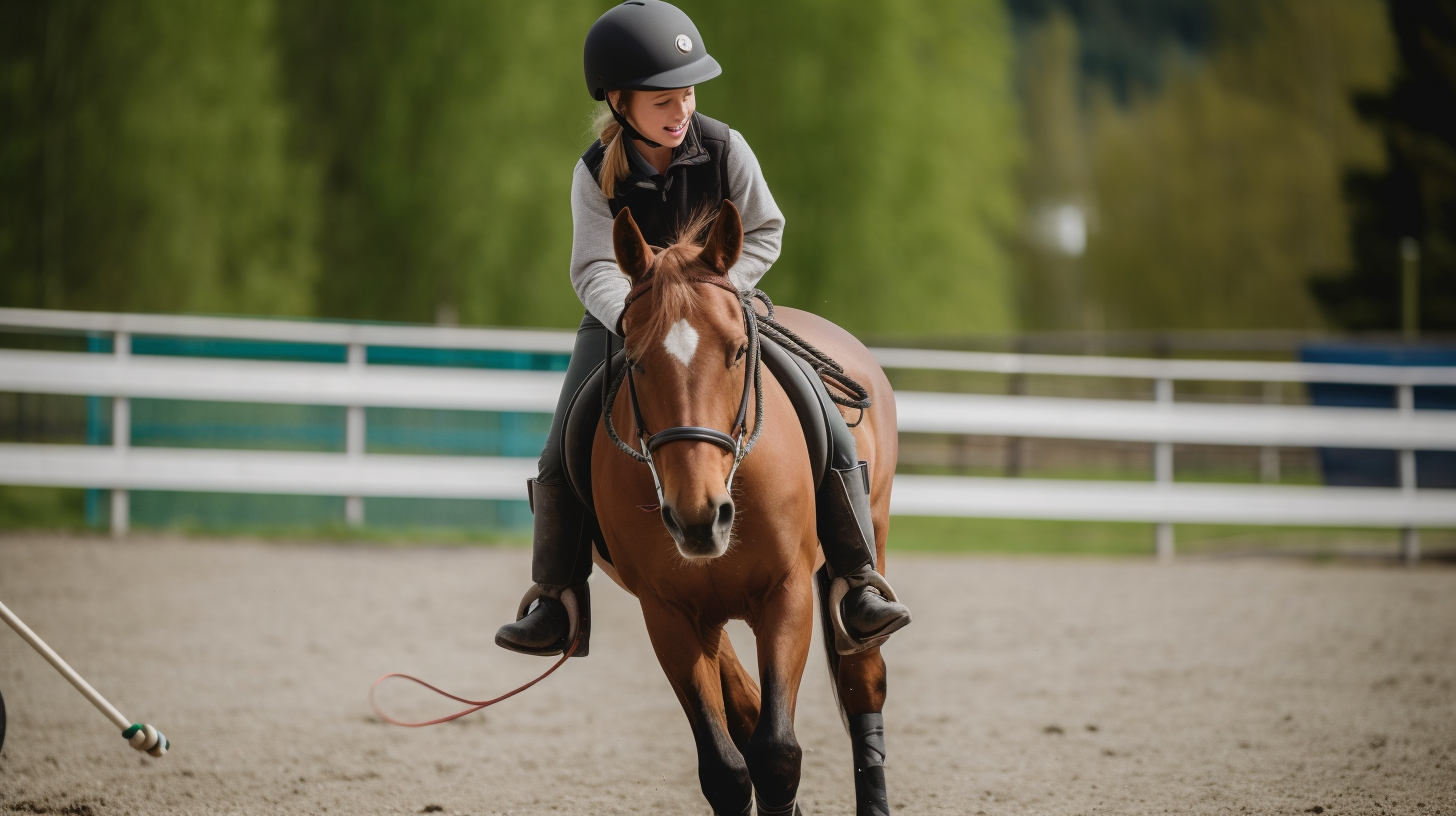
(664,161)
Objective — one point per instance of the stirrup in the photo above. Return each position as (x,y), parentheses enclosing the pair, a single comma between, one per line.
(844,643)
(578,616)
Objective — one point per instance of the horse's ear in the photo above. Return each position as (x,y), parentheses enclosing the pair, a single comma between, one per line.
(725,240)
(634,256)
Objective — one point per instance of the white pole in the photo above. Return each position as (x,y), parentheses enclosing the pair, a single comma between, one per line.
(157,748)
(354,437)
(1410,537)
(1163,472)
(66,671)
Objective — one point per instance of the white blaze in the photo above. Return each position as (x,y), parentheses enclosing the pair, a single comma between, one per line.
(681,341)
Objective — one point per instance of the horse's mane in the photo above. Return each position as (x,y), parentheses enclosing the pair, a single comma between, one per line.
(674,295)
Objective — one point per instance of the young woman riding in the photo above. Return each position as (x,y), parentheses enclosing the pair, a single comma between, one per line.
(665,162)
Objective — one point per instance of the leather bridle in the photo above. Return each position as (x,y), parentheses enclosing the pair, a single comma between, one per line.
(733,441)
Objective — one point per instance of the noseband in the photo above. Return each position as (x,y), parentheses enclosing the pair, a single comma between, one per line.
(732,442)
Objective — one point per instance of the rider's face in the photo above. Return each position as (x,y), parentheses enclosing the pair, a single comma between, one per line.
(662,116)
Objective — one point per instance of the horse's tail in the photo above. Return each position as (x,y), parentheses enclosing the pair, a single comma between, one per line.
(826,629)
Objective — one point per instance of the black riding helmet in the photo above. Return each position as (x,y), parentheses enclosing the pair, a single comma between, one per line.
(644,45)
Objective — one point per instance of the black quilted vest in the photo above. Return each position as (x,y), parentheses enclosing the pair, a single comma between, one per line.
(696,179)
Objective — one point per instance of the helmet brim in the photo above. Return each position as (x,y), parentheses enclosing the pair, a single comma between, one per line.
(700,70)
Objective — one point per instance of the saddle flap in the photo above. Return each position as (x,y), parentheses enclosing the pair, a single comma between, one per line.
(583,415)
(804,388)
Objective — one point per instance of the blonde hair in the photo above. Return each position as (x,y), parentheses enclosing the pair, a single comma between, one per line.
(615,164)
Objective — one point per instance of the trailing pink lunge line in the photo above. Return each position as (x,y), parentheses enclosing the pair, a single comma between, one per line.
(475,705)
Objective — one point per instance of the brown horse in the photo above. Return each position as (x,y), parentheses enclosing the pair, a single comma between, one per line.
(747,551)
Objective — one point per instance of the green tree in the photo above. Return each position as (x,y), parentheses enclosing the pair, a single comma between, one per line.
(1053,292)
(447,132)
(888,133)
(1214,189)
(1414,196)
(144,160)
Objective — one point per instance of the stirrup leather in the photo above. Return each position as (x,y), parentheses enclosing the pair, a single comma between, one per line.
(844,644)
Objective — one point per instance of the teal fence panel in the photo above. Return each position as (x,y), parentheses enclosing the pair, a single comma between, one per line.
(217,425)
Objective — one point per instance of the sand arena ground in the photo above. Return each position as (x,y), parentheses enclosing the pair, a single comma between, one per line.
(1025,686)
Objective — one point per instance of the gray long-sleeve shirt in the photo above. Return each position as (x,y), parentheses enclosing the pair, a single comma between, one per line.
(603,287)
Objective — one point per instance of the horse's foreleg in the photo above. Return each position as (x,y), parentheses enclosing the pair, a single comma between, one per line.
(784,627)
(860,680)
(691,666)
(861,683)
(740,694)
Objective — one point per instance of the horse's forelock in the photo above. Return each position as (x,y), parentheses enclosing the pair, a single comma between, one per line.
(674,296)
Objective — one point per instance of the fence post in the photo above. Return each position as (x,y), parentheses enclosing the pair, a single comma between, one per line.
(121,440)
(1269,454)
(1410,537)
(1163,470)
(354,439)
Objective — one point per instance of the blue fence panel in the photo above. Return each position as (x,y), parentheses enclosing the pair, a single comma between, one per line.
(1357,467)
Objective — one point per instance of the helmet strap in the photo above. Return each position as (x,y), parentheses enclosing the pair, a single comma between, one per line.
(627,126)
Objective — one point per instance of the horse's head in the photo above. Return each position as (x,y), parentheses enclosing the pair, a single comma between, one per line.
(689,347)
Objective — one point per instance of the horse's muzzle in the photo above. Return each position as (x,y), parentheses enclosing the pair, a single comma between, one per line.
(704,536)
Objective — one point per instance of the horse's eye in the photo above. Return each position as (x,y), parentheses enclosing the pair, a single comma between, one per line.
(742,350)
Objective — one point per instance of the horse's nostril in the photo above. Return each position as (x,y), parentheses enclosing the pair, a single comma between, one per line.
(725,514)
(669,520)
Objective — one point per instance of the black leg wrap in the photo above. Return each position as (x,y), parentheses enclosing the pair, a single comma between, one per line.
(791,809)
(846,529)
(867,733)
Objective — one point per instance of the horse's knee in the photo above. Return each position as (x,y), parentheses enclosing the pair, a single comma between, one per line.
(774,763)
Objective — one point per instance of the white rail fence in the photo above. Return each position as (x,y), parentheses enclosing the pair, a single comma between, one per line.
(357,386)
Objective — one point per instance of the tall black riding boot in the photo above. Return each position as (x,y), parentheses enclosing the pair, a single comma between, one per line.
(558,608)
(865,607)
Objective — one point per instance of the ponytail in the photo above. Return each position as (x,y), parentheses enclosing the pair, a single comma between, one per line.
(615,164)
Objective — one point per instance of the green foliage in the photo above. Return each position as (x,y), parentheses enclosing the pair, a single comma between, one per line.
(1210,198)
(412,161)
(888,134)
(1105,538)
(144,161)
(42,508)
(447,132)
(1414,195)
